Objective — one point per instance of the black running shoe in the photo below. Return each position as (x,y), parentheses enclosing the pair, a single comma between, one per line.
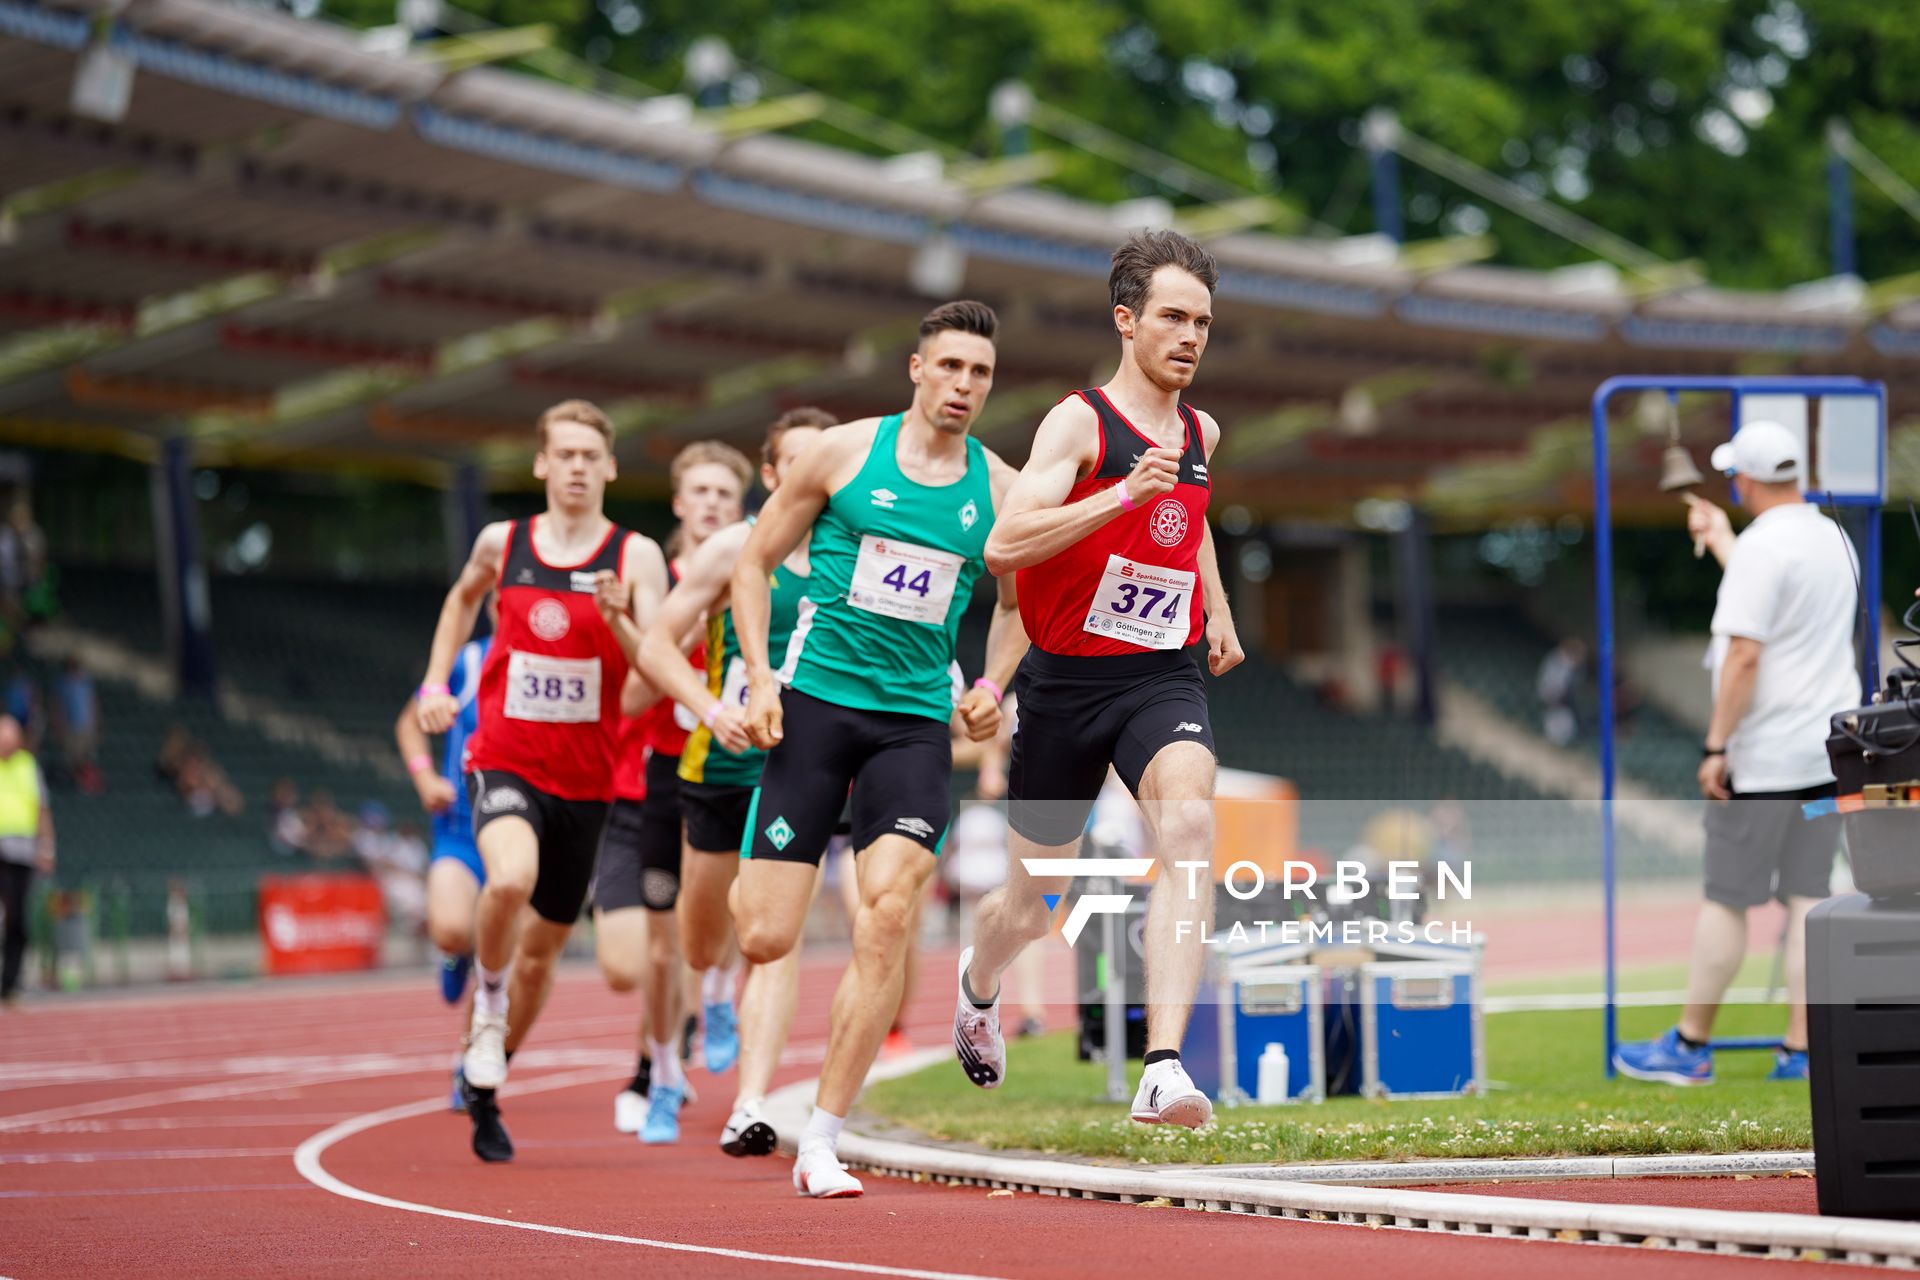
(490,1140)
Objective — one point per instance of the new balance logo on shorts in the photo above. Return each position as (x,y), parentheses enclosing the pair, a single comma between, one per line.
(502,800)
(914,827)
(780,833)
(1186,726)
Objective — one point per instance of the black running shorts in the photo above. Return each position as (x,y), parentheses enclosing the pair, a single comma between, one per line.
(898,765)
(1760,846)
(716,815)
(568,832)
(639,863)
(1078,715)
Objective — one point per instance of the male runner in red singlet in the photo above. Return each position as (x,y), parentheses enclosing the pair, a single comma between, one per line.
(1107,529)
(540,767)
(637,879)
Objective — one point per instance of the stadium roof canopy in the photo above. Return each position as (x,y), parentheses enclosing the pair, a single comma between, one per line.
(300,249)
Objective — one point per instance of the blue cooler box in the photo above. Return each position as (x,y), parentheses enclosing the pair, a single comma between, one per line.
(1421,1034)
(1237,1017)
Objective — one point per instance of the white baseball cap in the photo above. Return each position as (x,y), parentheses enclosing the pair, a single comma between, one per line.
(1764,450)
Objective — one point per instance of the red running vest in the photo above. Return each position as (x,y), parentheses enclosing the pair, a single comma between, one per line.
(1132,585)
(550,689)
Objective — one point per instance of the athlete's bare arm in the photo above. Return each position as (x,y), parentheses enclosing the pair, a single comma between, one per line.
(435,792)
(629,604)
(1034,526)
(1223,641)
(457,614)
(702,591)
(979,709)
(785,519)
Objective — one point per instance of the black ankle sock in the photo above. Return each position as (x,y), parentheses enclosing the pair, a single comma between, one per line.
(1687,1042)
(1162,1055)
(966,989)
(510,1054)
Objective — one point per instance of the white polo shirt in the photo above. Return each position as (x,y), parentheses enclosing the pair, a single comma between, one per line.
(1791,585)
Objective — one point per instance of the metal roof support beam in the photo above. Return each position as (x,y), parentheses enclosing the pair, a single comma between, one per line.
(769,116)
(457,53)
(1211,221)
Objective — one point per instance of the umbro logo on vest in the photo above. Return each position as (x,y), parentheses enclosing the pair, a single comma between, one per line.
(968,514)
(885,498)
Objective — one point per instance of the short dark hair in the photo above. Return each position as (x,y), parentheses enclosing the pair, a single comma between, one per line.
(965,315)
(1145,252)
(793,420)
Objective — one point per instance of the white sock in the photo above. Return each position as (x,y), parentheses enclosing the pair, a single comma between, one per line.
(490,996)
(666,1063)
(822,1132)
(716,986)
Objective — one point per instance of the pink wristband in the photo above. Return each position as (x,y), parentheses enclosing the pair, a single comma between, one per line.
(433,691)
(420,763)
(1126,499)
(712,713)
(990,687)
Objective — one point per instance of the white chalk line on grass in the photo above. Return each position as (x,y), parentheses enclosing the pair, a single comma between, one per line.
(307,1159)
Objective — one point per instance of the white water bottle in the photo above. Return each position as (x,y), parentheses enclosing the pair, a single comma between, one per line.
(1273,1075)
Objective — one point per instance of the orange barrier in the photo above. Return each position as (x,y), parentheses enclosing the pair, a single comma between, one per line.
(320,923)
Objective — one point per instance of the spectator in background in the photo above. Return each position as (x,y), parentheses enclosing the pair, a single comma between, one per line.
(286,828)
(23,563)
(26,706)
(329,831)
(76,726)
(398,862)
(186,766)
(26,845)
(1556,684)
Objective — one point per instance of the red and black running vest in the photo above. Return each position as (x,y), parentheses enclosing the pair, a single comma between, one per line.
(1132,585)
(550,689)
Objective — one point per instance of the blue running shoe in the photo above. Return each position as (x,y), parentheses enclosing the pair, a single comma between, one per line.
(1789,1064)
(1665,1061)
(457,1101)
(453,977)
(722,1043)
(663,1115)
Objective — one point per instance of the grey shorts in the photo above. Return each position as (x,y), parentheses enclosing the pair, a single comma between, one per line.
(1760,846)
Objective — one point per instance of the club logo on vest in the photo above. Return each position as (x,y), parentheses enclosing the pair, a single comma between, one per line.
(780,833)
(524,578)
(549,619)
(1168,523)
(588,582)
(968,514)
(885,498)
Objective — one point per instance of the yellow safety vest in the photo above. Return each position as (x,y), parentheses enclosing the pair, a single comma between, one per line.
(19,795)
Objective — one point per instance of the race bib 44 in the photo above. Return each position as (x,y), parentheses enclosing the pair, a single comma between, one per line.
(900,580)
(1142,604)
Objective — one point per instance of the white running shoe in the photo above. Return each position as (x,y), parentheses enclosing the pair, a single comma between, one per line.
(486,1061)
(819,1173)
(976,1035)
(1168,1096)
(629,1111)
(748,1133)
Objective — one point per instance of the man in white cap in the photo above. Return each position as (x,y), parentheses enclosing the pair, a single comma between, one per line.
(1783,663)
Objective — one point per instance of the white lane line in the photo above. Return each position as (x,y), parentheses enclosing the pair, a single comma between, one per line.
(149,1124)
(158,1153)
(307,1160)
(237,1188)
(161,1097)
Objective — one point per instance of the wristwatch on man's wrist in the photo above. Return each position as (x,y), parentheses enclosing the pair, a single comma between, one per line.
(1706,751)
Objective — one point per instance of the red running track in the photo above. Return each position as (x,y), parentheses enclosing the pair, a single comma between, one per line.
(156,1135)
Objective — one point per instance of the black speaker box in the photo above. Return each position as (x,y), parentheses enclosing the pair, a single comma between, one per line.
(1863,1025)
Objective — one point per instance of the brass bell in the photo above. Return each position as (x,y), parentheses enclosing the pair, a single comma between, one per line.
(1677,472)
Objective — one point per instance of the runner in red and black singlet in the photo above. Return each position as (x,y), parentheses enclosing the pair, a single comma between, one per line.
(637,883)
(1107,532)
(540,766)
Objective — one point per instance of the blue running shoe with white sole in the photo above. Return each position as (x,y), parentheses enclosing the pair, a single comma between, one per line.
(1665,1061)
(457,1101)
(453,977)
(721,1047)
(1789,1064)
(663,1115)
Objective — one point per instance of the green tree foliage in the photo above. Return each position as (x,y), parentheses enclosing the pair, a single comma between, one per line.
(1693,127)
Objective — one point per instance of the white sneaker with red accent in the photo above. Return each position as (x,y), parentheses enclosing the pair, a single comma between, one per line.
(818,1173)
(1169,1096)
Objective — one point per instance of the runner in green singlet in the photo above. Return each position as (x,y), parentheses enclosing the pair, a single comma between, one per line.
(898,509)
(718,770)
